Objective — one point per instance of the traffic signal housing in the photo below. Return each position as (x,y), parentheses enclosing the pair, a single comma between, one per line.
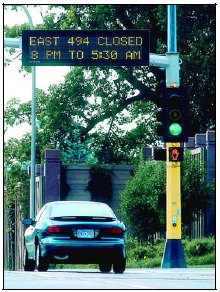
(173,116)
(177,113)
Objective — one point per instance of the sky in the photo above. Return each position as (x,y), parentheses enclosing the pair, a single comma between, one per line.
(19,85)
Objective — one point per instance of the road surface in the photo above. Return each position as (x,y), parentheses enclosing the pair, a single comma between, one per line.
(190,278)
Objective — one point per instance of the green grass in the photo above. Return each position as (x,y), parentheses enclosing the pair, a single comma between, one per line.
(198,253)
(201,266)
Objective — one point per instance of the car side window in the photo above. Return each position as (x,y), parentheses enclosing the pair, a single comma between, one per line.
(40,213)
(44,214)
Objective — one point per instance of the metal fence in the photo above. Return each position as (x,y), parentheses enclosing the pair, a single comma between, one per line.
(198,223)
(13,239)
(19,238)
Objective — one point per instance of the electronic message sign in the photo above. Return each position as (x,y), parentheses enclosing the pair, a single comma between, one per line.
(85,48)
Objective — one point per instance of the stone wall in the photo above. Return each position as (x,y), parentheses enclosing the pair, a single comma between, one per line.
(75,178)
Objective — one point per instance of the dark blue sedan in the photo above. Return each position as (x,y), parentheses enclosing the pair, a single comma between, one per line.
(76,232)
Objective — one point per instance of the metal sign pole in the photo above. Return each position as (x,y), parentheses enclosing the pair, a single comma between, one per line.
(33,146)
(33,129)
(173,256)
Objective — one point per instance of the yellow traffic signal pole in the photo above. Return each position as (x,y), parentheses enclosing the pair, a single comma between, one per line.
(173,256)
(173,196)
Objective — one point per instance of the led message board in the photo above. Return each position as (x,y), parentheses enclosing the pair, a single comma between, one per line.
(85,48)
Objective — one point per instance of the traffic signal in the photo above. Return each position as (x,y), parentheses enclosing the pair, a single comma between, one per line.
(177,112)
(173,115)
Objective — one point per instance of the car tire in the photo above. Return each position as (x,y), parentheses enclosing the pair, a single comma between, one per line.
(42,264)
(105,267)
(119,265)
(29,265)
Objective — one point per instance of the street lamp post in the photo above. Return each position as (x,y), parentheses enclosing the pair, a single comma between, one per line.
(33,129)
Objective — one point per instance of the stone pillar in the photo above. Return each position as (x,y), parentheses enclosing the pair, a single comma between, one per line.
(190,144)
(210,148)
(210,215)
(147,153)
(39,172)
(52,171)
(200,140)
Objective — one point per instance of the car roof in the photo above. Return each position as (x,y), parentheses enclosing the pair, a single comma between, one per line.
(80,208)
(76,202)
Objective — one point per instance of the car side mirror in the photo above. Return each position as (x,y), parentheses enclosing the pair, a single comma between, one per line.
(28,221)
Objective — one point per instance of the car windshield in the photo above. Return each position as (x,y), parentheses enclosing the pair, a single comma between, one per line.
(80,209)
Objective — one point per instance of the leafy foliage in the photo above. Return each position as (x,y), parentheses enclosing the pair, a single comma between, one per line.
(198,22)
(68,108)
(143,199)
(200,247)
(77,151)
(195,190)
(16,199)
(94,95)
(199,251)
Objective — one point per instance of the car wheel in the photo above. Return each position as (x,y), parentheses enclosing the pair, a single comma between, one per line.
(42,264)
(105,267)
(119,265)
(29,265)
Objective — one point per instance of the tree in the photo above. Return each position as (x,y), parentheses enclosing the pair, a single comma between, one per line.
(69,107)
(143,200)
(144,197)
(197,26)
(196,44)
(119,95)
(195,189)
(16,189)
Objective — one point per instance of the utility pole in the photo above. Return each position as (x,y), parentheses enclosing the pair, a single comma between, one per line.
(173,256)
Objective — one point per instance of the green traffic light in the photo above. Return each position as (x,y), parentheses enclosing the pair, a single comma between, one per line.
(175,129)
